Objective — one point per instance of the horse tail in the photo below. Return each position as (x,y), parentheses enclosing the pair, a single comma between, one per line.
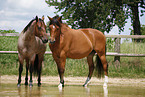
(36,62)
(99,67)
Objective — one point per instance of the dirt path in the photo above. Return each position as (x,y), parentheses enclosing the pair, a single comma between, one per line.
(54,80)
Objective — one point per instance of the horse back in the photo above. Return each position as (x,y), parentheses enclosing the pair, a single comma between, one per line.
(94,35)
(97,38)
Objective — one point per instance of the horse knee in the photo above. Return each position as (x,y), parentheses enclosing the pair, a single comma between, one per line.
(61,70)
(20,68)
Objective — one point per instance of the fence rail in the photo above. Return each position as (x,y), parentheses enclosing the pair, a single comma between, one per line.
(107,36)
(116,54)
(108,54)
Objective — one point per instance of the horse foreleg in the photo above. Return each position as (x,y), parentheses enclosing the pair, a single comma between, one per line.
(31,70)
(20,69)
(20,72)
(27,67)
(91,68)
(61,69)
(39,76)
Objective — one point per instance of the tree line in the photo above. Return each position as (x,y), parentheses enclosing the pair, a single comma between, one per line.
(100,14)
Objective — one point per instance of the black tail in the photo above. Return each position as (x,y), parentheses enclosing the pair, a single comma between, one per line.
(99,67)
(36,65)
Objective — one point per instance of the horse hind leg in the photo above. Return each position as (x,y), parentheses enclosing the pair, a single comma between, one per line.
(39,74)
(31,70)
(40,59)
(91,67)
(21,60)
(105,67)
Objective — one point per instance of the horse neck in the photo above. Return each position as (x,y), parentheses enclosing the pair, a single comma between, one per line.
(30,33)
(65,30)
(62,33)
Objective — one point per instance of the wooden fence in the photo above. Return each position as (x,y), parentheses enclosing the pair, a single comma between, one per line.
(116,52)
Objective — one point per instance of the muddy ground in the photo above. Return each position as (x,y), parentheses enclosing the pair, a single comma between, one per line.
(54,80)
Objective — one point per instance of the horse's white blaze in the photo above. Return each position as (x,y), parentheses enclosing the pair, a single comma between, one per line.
(53,26)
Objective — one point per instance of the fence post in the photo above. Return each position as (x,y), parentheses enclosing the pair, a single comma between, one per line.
(117,49)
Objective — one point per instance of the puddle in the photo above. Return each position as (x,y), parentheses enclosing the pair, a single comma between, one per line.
(48,90)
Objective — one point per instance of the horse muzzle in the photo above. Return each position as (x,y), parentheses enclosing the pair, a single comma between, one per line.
(44,40)
(52,42)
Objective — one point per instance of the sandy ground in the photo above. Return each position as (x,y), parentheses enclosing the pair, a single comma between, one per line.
(54,80)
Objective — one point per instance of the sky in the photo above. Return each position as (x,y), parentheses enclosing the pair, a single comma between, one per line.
(16,14)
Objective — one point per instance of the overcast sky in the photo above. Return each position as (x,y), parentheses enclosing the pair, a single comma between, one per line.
(16,14)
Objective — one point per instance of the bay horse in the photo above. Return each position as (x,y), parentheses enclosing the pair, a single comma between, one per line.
(31,48)
(76,44)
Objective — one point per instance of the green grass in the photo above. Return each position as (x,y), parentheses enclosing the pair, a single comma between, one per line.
(130,67)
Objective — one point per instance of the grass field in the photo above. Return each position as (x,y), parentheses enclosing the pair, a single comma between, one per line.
(129,67)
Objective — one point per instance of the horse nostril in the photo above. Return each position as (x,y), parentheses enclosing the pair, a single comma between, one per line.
(46,40)
(52,42)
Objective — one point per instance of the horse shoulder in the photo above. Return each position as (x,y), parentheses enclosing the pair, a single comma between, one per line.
(39,45)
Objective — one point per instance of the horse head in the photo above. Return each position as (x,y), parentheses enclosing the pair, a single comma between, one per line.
(54,27)
(40,29)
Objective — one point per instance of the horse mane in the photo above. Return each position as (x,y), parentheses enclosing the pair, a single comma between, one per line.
(65,24)
(55,21)
(26,28)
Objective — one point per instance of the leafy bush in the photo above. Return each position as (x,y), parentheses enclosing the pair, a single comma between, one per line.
(8,31)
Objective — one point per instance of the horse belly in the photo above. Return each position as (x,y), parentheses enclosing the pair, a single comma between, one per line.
(79,53)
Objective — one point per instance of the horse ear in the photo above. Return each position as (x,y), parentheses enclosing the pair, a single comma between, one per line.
(36,18)
(59,19)
(50,18)
(43,17)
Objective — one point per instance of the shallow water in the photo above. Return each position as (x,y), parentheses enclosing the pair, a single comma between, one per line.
(70,91)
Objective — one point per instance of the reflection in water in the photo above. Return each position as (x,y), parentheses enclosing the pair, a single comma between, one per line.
(61,92)
(87,90)
(19,91)
(70,90)
(29,91)
(105,91)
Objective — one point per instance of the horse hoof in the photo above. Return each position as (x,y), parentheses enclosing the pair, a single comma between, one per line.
(39,84)
(18,85)
(60,86)
(26,83)
(30,85)
(85,85)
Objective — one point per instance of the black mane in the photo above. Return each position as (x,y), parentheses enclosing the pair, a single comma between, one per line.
(26,28)
(55,21)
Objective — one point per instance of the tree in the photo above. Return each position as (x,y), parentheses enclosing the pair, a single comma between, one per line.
(134,14)
(98,14)
(143,31)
